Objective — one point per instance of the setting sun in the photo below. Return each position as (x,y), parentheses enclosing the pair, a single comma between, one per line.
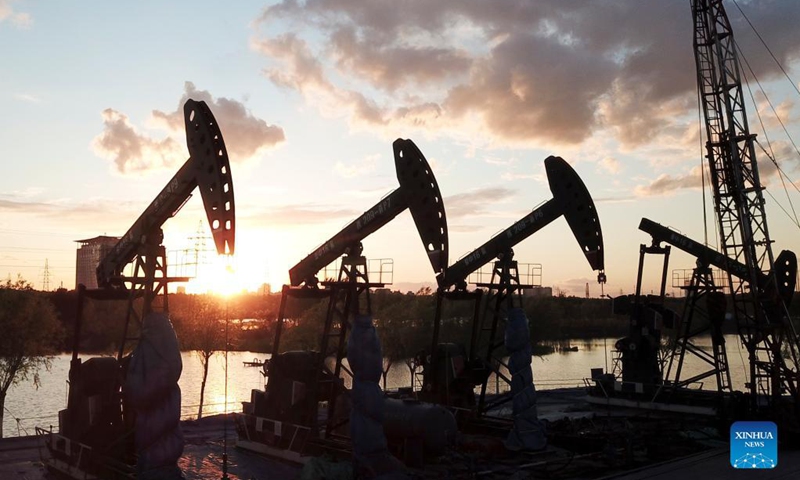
(220,276)
(228,275)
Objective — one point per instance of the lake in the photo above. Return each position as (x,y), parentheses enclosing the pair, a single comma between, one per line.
(560,369)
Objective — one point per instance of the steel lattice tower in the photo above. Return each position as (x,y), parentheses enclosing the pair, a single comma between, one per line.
(764,326)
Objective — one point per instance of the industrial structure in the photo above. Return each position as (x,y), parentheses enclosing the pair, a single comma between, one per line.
(486,354)
(90,252)
(301,382)
(759,285)
(122,413)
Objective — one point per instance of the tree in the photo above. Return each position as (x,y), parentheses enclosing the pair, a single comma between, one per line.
(31,334)
(201,328)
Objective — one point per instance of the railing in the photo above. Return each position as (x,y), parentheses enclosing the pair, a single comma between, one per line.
(26,425)
(379,270)
(530,274)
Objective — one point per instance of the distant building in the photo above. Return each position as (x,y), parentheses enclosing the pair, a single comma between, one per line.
(90,252)
(538,292)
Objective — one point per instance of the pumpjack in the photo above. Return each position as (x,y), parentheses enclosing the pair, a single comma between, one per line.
(759,285)
(118,424)
(302,411)
(452,374)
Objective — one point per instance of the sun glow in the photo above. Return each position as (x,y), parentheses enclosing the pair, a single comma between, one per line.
(219,277)
(226,275)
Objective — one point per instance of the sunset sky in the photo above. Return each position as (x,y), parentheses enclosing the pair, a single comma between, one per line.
(310,95)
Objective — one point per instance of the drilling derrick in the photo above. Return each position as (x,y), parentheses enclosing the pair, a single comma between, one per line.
(761,315)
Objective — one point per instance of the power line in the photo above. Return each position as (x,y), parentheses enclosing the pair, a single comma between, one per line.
(767,47)
(38,232)
(7,265)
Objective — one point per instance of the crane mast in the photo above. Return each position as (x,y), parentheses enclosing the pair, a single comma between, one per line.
(764,327)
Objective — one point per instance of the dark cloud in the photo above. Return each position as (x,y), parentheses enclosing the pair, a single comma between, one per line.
(548,71)
(245,135)
(475,202)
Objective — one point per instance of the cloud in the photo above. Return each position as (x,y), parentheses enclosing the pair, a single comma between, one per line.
(622,199)
(87,213)
(26,97)
(667,184)
(19,19)
(363,167)
(245,135)
(546,72)
(610,165)
(577,287)
(132,151)
(25,207)
(475,202)
(786,156)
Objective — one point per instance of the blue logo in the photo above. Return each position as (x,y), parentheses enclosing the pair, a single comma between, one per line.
(754,445)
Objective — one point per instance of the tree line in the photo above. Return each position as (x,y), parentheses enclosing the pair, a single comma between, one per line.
(404,320)
(38,325)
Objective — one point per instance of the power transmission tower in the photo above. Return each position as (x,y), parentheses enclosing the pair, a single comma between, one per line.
(46,276)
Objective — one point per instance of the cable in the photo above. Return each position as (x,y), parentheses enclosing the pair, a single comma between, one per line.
(769,144)
(755,77)
(702,166)
(763,128)
(767,47)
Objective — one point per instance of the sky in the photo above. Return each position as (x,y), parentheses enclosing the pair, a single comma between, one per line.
(310,95)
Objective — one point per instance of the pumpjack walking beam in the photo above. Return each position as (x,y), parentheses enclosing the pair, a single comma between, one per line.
(419,193)
(779,291)
(570,199)
(208,168)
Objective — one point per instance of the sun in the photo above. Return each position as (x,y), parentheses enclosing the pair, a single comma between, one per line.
(228,275)
(218,277)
